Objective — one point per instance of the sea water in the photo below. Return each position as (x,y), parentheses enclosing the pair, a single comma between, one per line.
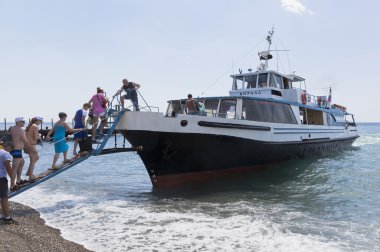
(329,203)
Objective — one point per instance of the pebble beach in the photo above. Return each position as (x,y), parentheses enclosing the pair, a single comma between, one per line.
(29,233)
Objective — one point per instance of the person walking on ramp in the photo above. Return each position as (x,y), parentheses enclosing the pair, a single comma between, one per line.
(20,142)
(33,136)
(80,122)
(59,138)
(99,106)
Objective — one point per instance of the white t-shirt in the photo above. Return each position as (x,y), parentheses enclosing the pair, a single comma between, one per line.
(84,113)
(4,156)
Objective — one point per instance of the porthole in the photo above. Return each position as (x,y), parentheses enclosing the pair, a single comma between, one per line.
(184,123)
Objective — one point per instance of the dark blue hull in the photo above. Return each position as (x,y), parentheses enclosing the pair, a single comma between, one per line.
(174,158)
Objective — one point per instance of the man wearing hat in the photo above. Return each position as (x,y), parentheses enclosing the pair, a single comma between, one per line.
(19,143)
(33,137)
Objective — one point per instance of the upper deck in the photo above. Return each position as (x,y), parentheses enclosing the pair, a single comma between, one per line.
(268,92)
(268,84)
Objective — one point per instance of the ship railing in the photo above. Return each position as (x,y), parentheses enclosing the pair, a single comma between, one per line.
(117,106)
(314,100)
(150,108)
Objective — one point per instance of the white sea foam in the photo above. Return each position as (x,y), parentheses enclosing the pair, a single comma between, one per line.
(121,225)
(367,140)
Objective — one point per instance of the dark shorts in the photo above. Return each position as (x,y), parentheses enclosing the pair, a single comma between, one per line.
(16,153)
(131,95)
(3,188)
(81,134)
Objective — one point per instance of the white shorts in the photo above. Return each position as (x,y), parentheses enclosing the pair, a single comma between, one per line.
(100,115)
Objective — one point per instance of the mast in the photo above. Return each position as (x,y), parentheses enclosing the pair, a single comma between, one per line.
(265,55)
(269,39)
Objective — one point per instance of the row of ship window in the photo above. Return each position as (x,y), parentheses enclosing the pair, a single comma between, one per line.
(253,110)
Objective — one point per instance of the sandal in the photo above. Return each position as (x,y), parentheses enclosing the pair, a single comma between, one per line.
(67,161)
(53,168)
(32,178)
(22,181)
(7,220)
(15,187)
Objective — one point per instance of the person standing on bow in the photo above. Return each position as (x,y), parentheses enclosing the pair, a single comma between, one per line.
(131,93)
(99,106)
(33,136)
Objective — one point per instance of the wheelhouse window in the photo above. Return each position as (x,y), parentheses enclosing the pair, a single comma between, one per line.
(272,82)
(243,82)
(251,81)
(287,84)
(227,108)
(240,82)
(265,111)
(275,81)
(263,79)
(278,80)
(349,119)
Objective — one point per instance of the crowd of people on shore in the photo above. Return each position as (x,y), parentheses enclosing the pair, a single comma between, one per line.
(19,140)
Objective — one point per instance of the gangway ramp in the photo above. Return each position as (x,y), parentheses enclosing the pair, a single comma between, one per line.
(48,174)
(99,150)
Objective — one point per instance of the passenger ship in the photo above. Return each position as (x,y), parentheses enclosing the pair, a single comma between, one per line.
(268,117)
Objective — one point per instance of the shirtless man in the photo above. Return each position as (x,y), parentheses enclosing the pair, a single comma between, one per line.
(19,142)
(33,137)
(191,105)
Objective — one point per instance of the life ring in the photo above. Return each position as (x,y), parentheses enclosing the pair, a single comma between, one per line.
(303,98)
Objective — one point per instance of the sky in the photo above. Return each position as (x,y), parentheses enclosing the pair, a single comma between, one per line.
(54,53)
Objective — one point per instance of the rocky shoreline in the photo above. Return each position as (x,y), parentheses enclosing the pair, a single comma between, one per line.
(29,233)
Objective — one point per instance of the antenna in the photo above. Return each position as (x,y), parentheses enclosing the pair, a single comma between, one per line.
(277,57)
(265,55)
